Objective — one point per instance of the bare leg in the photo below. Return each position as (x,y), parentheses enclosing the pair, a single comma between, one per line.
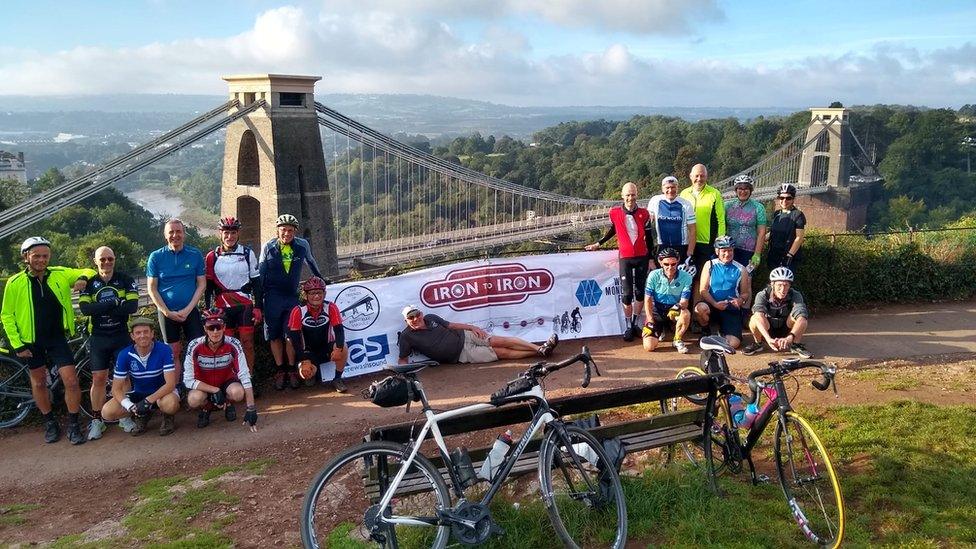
(512,343)
(72,392)
(99,380)
(277,351)
(38,377)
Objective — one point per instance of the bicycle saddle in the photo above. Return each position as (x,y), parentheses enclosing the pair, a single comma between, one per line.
(412,367)
(716,343)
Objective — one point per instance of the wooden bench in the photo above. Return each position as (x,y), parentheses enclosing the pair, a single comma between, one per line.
(638,435)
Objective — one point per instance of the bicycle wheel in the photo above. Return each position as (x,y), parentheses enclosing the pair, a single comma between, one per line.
(581,491)
(809,481)
(16,399)
(717,450)
(83,369)
(341,504)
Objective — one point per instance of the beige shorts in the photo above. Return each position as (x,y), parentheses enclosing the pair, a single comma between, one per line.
(476,350)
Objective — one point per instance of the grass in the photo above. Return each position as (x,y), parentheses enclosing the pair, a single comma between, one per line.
(12,514)
(176,512)
(908,472)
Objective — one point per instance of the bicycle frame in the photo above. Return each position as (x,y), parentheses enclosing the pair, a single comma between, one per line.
(542,417)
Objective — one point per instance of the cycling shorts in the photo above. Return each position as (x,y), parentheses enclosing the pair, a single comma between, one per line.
(103,350)
(239,318)
(55,353)
(277,309)
(743,257)
(729,321)
(191,328)
(703,253)
(633,277)
(661,320)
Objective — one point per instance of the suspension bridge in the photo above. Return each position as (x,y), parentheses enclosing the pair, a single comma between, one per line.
(391,202)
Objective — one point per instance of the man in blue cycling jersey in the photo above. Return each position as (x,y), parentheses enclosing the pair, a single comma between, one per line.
(725,291)
(674,220)
(666,300)
(148,366)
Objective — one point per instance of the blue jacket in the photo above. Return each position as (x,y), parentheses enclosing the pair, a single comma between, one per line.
(274,279)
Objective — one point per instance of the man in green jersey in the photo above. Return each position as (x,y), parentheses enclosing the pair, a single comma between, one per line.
(709,216)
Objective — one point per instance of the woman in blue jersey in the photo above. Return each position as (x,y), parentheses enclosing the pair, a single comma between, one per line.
(725,291)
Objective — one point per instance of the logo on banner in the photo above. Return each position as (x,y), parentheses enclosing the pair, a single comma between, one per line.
(478,287)
(368,353)
(359,307)
(588,293)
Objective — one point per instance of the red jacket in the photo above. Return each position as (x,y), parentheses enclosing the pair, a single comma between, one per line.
(628,249)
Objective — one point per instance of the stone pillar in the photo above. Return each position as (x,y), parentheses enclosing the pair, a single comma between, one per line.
(273,164)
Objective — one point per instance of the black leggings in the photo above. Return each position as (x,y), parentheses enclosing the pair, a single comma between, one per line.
(633,276)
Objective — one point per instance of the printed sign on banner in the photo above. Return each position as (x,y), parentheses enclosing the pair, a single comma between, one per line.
(575,295)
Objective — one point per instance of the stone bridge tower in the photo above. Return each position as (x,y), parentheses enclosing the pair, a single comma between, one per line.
(273,164)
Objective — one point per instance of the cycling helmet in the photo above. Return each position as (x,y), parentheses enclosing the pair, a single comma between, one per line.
(229,223)
(668,252)
(287,219)
(786,188)
(213,315)
(724,242)
(141,321)
(313,283)
(781,274)
(689,268)
(34,241)
(743,180)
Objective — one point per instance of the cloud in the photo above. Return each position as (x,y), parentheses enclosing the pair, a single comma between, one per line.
(372,51)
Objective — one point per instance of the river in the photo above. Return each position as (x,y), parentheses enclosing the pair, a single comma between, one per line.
(158,201)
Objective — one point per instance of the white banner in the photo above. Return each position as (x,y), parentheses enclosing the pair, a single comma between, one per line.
(574,295)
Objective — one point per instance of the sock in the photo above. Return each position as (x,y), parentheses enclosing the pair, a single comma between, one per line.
(97,415)
(49,416)
(73,418)
(281,368)
(338,374)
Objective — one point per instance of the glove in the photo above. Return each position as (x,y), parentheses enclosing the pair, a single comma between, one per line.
(217,399)
(674,313)
(258,316)
(251,416)
(647,330)
(687,263)
(142,408)
(788,260)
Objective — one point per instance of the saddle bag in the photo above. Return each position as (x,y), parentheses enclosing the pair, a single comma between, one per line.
(391,391)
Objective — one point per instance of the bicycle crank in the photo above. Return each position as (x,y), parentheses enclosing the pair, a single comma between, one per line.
(471,523)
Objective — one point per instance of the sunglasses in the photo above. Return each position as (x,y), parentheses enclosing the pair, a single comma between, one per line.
(669,264)
(786,198)
(214,327)
(413,316)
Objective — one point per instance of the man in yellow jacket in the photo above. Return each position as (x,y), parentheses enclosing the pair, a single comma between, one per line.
(709,216)
(37,317)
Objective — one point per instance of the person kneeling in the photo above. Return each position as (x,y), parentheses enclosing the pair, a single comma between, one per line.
(316,333)
(216,373)
(779,316)
(148,365)
(666,299)
(725,289)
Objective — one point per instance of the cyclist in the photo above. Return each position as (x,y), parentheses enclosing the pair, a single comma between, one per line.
(666,300)
(175,279)
(724,290)
(108,299)
(779,316)
(37,315)
(452,342)
(631,224)
(745,219)
(786,231)
(709,215)
(317,335)
(216,373)
(147,366)
(280,267)
(674,220)
(234,285)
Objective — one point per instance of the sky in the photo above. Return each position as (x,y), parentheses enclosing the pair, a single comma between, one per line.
(683,53)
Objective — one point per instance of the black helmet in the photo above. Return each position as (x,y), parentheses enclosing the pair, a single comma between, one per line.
(668,252)
(788,189)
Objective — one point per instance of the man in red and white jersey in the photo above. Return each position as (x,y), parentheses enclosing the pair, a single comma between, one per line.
(234,285)
(216,373)
(316,332)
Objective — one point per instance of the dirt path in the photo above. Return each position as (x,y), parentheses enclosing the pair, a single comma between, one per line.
(931,348)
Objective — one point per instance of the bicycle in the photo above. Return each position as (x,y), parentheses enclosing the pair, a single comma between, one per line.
(406,499)
(16,399)
(806,474)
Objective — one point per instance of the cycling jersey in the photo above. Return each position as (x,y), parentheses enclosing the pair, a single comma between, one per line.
(215,367)
(232,277)
(709,213)
(671,220)
(276,278)
(782,230)
(631,228)
(21,297)
(315,332)
(777,311)
(176,274)
(743,219)
(109,304)
(145,372)
(723,282)
(668,292)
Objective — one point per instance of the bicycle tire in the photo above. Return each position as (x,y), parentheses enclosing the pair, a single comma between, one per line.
(339,500)
(16,399)
(703,452)
(594,516)
(809,481)
(83,371)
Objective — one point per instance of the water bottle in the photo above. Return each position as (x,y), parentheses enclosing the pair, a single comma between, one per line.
(752,412)
(493,461)
(737,409)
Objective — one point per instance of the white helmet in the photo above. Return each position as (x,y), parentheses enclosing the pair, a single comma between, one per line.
(743,180)
(781,274)
(287,219)
(34,241)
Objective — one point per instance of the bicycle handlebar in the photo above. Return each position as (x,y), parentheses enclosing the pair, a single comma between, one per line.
(530,377)
(781,368)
